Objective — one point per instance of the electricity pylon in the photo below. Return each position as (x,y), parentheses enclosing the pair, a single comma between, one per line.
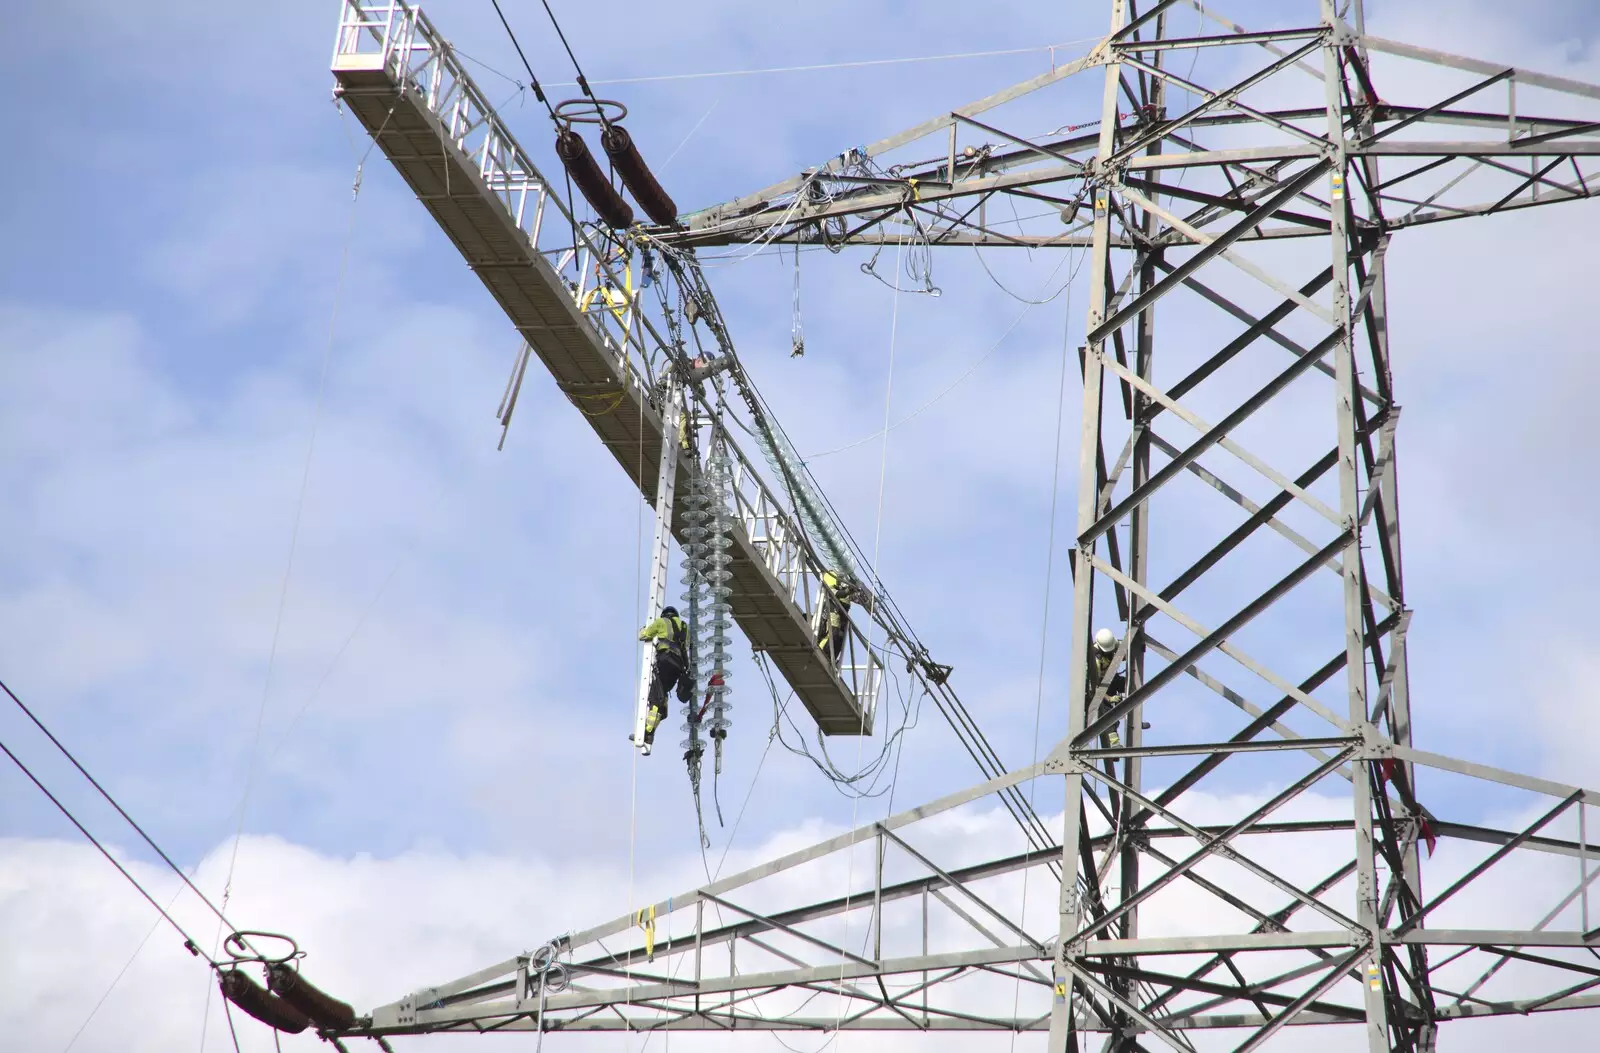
(1266,204)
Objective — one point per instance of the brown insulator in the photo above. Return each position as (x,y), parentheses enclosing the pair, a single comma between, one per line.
(261,1003)
(596,188)
(323,1009)
(636,176)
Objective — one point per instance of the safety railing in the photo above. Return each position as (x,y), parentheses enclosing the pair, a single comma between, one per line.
(771,530)
(421,61)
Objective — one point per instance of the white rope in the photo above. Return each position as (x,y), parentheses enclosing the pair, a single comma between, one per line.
(1044,621)
(662,167)
(957,382)
(1050,48)
(639,671)
(877,538)
(888,396)
(283,740)
(288,570)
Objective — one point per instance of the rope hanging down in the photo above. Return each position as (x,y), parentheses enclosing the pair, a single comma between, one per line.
(294,541)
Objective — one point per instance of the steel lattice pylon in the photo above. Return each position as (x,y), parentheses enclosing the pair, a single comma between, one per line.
(1290,609)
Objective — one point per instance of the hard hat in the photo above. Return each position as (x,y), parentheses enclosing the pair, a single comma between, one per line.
(669,612)
(1105,640)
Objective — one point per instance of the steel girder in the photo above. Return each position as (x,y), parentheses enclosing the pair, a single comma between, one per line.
(1151,923)
(1512,159)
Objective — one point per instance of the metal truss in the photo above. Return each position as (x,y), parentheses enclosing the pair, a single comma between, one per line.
(1512,160)
(1238,517)
(922,940)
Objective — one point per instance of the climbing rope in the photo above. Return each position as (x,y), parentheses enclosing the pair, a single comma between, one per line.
(639,597)
(877,538)
(294,541)
(958,381)
(1044,620)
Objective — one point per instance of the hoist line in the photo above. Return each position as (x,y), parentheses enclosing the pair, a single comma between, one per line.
(950,705)
(360,157)
(294,535)
(856,64)
(685,140)
(888,401)
(294,542)
(1044,618)
(118,978)
(327,674)
(877,540)
(960,379)
(188,942)
(639,601)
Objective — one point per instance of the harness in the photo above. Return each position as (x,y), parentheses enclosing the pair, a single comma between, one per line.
(676,645)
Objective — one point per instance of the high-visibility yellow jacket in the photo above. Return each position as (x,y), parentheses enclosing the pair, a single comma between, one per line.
(836,599)
(670,634)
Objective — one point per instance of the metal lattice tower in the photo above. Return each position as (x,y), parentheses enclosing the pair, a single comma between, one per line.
(1266,204)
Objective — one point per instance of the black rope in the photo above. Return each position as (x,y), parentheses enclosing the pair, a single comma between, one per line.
(582,83)
(113,802)
(227,1008)
(533,81)
(188,943)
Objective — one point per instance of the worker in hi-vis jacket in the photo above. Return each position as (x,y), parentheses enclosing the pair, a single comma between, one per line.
(838,593)
(671,636)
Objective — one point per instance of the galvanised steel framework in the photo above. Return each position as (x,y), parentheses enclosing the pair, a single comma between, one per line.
(1266,205)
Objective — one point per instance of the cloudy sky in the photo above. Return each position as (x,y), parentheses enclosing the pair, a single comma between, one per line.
(441,769)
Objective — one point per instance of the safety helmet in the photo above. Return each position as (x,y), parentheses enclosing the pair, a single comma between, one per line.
(669,612)
(1105,641)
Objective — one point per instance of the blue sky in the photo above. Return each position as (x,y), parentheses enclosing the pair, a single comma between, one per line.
(176,229)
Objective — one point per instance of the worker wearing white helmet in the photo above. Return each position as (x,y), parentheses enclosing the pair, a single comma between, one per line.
(1101,659)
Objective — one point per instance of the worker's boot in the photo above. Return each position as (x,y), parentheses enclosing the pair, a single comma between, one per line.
(652,718)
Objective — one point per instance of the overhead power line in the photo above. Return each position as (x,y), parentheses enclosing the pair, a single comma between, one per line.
(533,81)
(583,82)
(114,804)
(189,943)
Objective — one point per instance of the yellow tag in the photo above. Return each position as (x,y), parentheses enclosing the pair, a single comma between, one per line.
(646,920)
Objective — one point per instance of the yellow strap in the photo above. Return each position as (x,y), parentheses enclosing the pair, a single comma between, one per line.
(646,920)
(611,407)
